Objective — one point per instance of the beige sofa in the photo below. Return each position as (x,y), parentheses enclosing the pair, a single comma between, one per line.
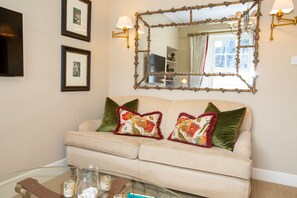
(210,172)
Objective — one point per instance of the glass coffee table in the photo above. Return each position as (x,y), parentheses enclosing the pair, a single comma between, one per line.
(41,182)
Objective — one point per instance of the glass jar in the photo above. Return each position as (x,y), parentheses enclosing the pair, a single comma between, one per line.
(87,184)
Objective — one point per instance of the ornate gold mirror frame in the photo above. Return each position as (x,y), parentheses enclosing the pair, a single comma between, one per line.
(142,74)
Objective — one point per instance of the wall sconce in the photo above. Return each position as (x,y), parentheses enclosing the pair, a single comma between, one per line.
(281,7)
(248,24)
(125,24)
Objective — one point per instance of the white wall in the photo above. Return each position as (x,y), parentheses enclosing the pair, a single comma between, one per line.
(34,113)
(274,105)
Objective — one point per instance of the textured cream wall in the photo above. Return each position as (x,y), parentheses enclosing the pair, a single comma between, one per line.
(274,105)
(34,114)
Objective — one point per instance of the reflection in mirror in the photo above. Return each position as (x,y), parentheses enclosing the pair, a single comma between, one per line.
(207,47)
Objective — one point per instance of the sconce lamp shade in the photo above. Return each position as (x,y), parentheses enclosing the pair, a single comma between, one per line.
(286,6)
(124,22)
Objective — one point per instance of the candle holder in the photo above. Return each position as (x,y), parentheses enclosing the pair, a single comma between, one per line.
(68,188)
(105,183)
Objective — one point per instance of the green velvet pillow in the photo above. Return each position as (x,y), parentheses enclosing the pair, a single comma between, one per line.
(110,121)
(225,132)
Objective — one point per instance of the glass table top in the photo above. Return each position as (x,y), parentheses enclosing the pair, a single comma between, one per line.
(53,178)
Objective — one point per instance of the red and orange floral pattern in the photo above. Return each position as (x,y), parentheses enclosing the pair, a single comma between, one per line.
(191,130)
(132,123)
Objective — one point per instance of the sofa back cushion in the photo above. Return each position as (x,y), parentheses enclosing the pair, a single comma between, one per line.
(172,109)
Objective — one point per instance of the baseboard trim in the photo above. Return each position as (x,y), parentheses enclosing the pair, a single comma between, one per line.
(275,177)
(62,162)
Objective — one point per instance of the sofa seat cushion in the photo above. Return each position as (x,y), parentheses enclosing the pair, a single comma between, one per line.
(214,160)
(110,143)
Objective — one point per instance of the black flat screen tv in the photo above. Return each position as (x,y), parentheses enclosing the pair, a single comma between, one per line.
(11,43)
(157,65)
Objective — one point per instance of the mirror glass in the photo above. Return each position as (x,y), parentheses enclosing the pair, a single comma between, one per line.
(207,47)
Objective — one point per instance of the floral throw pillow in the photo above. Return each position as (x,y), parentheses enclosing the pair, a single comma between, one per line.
(135,124)
(191,130)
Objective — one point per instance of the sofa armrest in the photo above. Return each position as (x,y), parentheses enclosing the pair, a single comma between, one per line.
(89,125)
(243,145)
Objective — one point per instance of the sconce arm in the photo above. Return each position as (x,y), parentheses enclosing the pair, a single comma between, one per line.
(281,22)
(123,34)
(288,21)
(119,34)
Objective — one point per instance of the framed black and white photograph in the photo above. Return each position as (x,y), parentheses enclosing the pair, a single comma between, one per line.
(75,69)
(76,19)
